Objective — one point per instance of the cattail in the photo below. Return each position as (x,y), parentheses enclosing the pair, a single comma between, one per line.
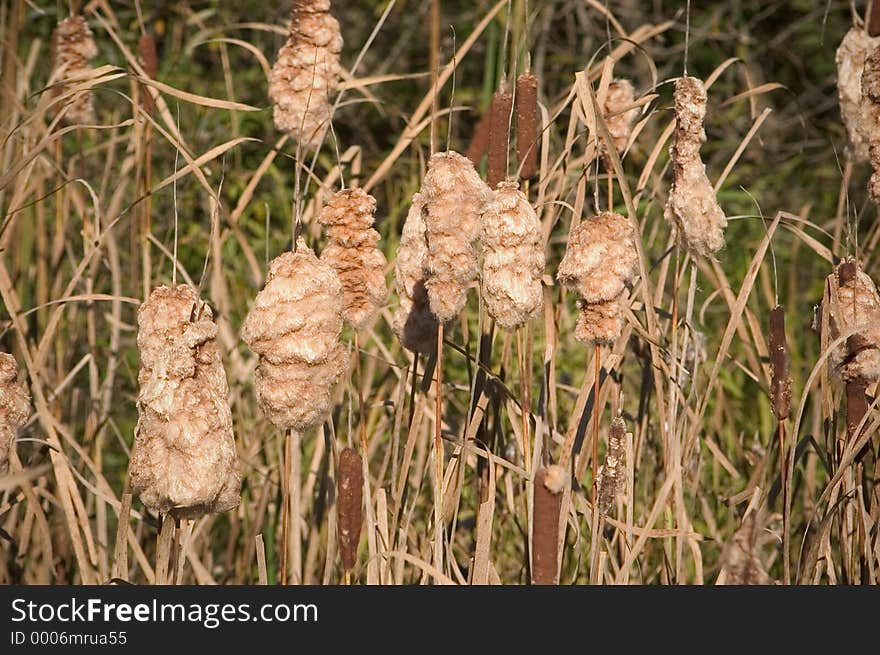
(527,125)
(499,135)
(612,475)
(620,113)
(692,206)
(454,197)
(149,60)
(548,487)
(854,304)
(513,258)
(780,379)
(851,56)
(479,144)
(870,118)
(294,327)
(353,254)
(741,556)
(306,73)
(15,404)
(72,48)
(184,460)
(349,499)
(413,322)
(599,323)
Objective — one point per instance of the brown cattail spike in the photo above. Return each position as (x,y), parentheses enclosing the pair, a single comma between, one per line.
(499,135)
(548,487)
(72,48)
(527,123)
(455,198)
(850,59)
(15,404)
(349,498)
(307,73)
(692,207)
(353,254)
(413,322)
(149,60)
(294,326)
(872,22)
(780,379)
(513,258)
(853,303)
(870,118)
(479,144)
(184,460)
(612,474)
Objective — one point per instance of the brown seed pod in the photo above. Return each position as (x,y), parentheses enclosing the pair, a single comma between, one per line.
(413,322)
(499,135)
(692,207)
(15,405)
(612,474)
(349,499)
(306,73)
(850,59)
(513,258)
(72,48)
(184,460)
(619,113)
(780,378)
(353,254)
(600,259)
(294,327)
(479,144)
(527,125)
(870,118)
(854,304)
(454,197)
(149,60)
(741,558)
(600,323)
(548,486)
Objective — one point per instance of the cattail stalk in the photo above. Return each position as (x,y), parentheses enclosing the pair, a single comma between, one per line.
(349,481)
(548,486)
(527,124)
(499,135)
(15,406)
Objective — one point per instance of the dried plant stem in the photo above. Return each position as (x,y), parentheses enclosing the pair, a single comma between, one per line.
(438,455)
(285,506)
(783,482)
(435,70)
(525,401)
(296,507)
(146,212)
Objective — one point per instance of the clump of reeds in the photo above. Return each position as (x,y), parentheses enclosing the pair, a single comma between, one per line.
(413,322)
(353,254)
(15,405)
(72,48)
(349,500)
(741,558)
(549,484)
(619,113)
(692,206)
(184,460)
(454,197)
(527,123)
(870,118)
(600,261)
(499,135)
(851,56)
(294,327)
(513,258)
(612,474)
(852,303)
(306,73)
(149,60)
(780,378)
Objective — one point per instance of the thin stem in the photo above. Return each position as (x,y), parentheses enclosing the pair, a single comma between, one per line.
(285,505)
(438,455)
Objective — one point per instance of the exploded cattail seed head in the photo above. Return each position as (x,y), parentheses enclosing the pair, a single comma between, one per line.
(72,48)
(15,405)
(850,59)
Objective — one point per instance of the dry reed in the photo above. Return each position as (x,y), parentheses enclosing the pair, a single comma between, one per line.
(294,327)
(455,198)
(692,207)
(352,252)
(513,258)
(184,460)
(349,499)
(15,405)
(72,48)
(306,73)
